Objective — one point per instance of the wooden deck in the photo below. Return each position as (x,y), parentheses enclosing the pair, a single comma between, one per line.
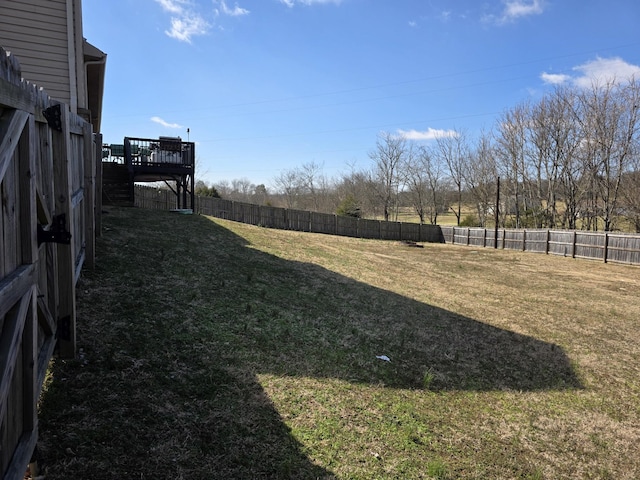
(142,160)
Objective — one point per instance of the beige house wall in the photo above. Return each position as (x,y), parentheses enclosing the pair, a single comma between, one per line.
(46,37)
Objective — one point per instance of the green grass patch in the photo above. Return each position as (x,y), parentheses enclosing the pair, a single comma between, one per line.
(211,349)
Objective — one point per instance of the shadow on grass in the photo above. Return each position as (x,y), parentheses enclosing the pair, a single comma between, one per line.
(181,315)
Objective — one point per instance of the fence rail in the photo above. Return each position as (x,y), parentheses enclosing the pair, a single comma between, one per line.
(603,246)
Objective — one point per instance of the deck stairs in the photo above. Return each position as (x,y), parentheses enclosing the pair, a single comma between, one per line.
(117,185)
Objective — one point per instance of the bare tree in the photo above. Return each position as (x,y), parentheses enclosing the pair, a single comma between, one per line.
(554,143)
(610,129)
(242,190)
(415,179)
(313,185)
(358,187)
(481,177)
(630,189)
(288,185)
(453,151)
(573,172)
(260,194)
(224,188)
(424,180)
(511,141)
(388,155)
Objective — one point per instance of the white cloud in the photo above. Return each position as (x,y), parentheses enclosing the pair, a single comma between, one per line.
(160,121)
(236,11)
(291,3)
(554,78)
(515,9)
(429,134)
(595,72)
(185,21)
(604,70)
(172,6)
(185,27)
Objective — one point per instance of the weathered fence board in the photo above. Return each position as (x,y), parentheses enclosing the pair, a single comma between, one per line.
(44,172)
(595,245)
(291,219)
(322,223)
(536,240)
(346,226)
(431,234)
(368,228)
(623,249)
(562,243)
(299,220)
(273,218)
(390,230)
(588,245)
(603,246)
(409,231)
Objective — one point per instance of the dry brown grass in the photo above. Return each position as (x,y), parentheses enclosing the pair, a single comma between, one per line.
(213,349)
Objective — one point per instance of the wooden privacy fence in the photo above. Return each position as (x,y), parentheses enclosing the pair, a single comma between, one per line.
(290,219)
(48,159)
(603,246)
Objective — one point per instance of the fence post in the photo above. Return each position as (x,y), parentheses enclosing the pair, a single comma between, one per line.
(98,183)
(573,245)
(548,241)
(606,247)
(66,254)
(524,239)
(90,159)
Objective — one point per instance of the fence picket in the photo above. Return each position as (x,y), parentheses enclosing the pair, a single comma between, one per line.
(43,173)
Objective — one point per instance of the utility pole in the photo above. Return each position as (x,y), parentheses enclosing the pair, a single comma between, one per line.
(497,209)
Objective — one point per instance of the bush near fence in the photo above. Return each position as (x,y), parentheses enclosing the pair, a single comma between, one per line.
(603,246)
(291,219)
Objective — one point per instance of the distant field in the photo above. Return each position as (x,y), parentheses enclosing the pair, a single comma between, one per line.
(211,349)
(407,214)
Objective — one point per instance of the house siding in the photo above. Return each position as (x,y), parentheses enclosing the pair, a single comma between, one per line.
(44,55)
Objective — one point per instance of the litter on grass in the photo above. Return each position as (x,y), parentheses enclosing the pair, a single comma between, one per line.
(383,357)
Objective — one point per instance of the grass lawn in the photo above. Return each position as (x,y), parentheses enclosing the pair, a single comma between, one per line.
(211,349)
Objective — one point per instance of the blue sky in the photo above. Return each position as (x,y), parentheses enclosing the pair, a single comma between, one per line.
(265,86)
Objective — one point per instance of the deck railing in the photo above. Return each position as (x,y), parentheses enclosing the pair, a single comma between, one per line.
(160,152)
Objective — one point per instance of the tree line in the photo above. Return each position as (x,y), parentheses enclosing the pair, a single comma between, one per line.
(568,160)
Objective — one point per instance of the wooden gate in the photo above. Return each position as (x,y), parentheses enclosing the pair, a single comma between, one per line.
(47,232)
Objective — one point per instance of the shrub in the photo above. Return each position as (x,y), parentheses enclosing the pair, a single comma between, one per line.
(469,220)
(349,208)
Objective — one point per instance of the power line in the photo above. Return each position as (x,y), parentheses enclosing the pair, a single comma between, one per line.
(394,84)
